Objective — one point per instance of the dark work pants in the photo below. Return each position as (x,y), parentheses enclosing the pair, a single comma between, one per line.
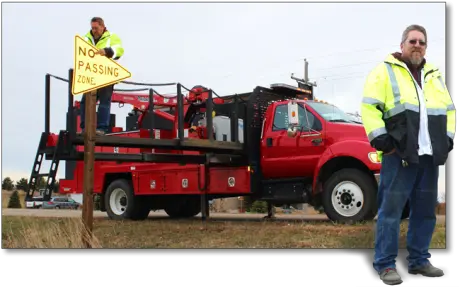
(418,183)
(104,95)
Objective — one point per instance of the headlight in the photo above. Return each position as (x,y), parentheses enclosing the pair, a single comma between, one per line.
(373,156)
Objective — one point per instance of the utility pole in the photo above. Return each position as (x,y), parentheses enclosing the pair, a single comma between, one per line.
(305,83)
(88,174)
(306,66)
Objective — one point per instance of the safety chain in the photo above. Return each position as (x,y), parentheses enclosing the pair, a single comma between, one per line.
(148,84)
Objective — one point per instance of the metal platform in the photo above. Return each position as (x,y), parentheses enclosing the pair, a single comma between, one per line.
(211,159)
(204,145)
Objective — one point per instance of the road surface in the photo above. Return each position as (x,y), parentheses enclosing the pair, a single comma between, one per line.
(163,215)
(153,215)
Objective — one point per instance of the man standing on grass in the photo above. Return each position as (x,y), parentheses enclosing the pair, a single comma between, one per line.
(109,45)
(410,119)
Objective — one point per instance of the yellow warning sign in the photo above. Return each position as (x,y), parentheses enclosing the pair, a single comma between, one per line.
(92,71)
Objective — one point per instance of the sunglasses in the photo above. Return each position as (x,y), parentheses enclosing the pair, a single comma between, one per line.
(414,41)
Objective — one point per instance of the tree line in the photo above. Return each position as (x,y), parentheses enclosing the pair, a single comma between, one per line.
(23,183)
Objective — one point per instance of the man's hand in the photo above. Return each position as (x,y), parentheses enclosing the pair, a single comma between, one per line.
(101,52)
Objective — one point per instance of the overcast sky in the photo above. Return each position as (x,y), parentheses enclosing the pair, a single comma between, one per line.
(228,47)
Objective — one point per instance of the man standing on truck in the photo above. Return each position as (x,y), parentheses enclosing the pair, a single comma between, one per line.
(410,119)
(109,45)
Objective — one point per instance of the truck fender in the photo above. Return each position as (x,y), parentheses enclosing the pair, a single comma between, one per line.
(326,156)
(112,174)
(359,150)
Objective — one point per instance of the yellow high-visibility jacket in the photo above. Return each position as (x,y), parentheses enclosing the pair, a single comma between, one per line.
(110,42)
(390,110)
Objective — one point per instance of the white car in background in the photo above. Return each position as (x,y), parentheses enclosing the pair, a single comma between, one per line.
(36,202)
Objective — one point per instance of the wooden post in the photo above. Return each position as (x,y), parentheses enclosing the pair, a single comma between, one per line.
(88,175)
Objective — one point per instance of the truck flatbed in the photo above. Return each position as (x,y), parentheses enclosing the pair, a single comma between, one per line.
(212,159)
(172,144)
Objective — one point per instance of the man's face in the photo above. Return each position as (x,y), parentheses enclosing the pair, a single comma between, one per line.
(414,47)
(97,29)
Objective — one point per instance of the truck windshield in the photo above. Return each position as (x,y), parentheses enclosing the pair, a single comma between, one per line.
(331,113)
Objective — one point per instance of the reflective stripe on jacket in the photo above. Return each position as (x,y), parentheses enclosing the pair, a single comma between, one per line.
(108,41)
(390,110)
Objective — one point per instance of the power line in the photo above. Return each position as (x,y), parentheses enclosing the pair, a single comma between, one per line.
(324,77)
(333,77)
(367,50)
(291,61)
(348,65)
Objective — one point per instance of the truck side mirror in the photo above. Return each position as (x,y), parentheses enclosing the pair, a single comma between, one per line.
(292,131)
(293,120)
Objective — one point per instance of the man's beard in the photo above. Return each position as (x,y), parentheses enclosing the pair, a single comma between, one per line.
(416,60)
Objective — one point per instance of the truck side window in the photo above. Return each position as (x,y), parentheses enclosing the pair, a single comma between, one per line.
(308,120)
(281,119)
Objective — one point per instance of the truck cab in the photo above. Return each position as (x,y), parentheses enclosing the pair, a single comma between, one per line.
(313,152)
(320,126)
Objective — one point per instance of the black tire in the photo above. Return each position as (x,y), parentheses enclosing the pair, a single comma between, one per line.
(368,204)
(184,208)
(135,207)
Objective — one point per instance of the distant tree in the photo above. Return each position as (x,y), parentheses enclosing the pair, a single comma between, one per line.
(42,183)
(247,203)
(22,184)
(14,200)
(259,207)
(96,202)
(7,184)
(254,206)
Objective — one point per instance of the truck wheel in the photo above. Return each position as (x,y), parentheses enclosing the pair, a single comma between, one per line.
(121,203)
(183,208)
(350,195)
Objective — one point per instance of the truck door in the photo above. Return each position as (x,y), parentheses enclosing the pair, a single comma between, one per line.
(284,156)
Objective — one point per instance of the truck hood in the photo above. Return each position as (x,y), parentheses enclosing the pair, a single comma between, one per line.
(346,131)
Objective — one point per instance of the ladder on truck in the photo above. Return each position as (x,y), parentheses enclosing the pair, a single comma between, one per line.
(43,151)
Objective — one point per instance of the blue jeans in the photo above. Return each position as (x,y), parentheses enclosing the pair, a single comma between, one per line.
(418,184)
(104,96)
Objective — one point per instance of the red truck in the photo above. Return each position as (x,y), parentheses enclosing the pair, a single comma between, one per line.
(275,144)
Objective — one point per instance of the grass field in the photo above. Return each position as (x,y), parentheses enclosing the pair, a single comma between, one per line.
(27,232)
(34,232)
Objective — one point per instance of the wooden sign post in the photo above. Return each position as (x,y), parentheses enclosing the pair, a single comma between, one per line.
(88,173)
(91,72)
